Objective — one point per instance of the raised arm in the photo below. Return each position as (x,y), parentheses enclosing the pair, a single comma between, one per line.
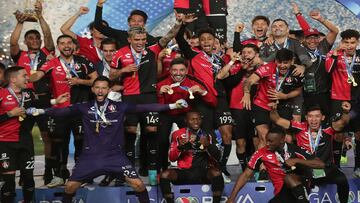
(225,71)
(299,17)
(172,32)
(48,40)
(275,117)
(183,44)
(345,117)
(237,46)
(15,35)
(36,76)
(333,30)
(66,27)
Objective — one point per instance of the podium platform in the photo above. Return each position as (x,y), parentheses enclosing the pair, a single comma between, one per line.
(253,192)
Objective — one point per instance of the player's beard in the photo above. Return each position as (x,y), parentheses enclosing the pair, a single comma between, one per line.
(67,53)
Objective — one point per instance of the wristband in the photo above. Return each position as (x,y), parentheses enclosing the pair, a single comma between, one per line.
(53,101)
(231,62)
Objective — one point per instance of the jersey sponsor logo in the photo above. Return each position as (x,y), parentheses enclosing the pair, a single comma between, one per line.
(112,108)
(58,68)
(128,55)
(9,98)
(26,94)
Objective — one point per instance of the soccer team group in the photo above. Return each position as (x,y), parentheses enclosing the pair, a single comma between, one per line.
(289,99)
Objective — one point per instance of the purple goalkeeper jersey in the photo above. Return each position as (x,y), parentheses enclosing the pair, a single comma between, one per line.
(110,134)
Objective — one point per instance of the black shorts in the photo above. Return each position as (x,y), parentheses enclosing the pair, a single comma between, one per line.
(260,116)
(192,176)
(336,110)
(145,118)
(214,118)
(244,127)
(61,127)
(286,111)
(296,105)
(16,155)
(285,195)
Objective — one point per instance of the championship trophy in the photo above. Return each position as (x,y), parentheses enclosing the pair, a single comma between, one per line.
(29,10)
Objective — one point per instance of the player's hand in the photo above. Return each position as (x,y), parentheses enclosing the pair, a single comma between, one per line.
(50,56)
(276,95)
(204,141)
(291,162)
(315,14)
(101,2)
(346,106)
(269,40)
(348,144)
(246,102)
(63,98)
(129,68)
(196,89)
(83,10)
(235,56)
(17,111)
(181,103)
(74,81)
(34,111)
(338,49)
(165,89)
(38,8)
(295,7)
(162,54)
(188,18)
(185,146)
(239,27)
(20,17)
(299,70)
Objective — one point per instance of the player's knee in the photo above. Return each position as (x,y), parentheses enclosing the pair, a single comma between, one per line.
(71,187)
(151,129)
(291,180)
(217,183)
(28,179)
(214,172)
(131,129)
(137,185)
(165,174)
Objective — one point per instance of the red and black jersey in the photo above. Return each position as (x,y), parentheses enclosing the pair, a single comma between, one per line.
(59,83)
(214,7)
(144,80)
(10,128)
(336,66)
(23,59)
(193,157)
(237,92)
(274,165)
(188,6)
(268,75)
(89,50)
(322,147)
(181,92)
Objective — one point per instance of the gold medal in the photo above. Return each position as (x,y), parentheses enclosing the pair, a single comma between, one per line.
(21,118)
(191,94)
(97,127)
(170,91)
(201,147)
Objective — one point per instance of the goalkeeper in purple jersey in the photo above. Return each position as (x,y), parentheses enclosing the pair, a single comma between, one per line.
(103,152)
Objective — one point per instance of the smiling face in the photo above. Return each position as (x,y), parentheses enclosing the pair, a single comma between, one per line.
(178,72)
(193,120)
(279,29)
(137,42)
(136,21)
(207,41)
(66,46)
(312,41)
(33,41)
(259,28)
(284,66)
(349,45)
(314,119)
(101,90)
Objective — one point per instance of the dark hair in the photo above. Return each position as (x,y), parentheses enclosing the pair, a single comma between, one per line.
(260,17)
(277,130)
(252,46)
(193,111)
(281,20)
(11,71)
(179,61)
(315,107)
(35,32)
(208,30)
(64,36)
(299,34)
(349,33)
(91,25)
(102,78)
(138,12)
(284,55)
(106,41)
(2,66)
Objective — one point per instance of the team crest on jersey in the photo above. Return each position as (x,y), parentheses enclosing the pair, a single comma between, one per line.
(26,94)
(357,59)
(144,52)
(289,80)
(112,108)
(5,164)
(77,67)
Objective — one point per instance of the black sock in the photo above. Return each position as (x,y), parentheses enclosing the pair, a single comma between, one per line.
(357,154)
(152,150)
(130,146)
(216,199)
(226,153)
(242,160)
(299,194)
(67,198)
(28,185)
(337,146)
(8,189)
(143,196)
